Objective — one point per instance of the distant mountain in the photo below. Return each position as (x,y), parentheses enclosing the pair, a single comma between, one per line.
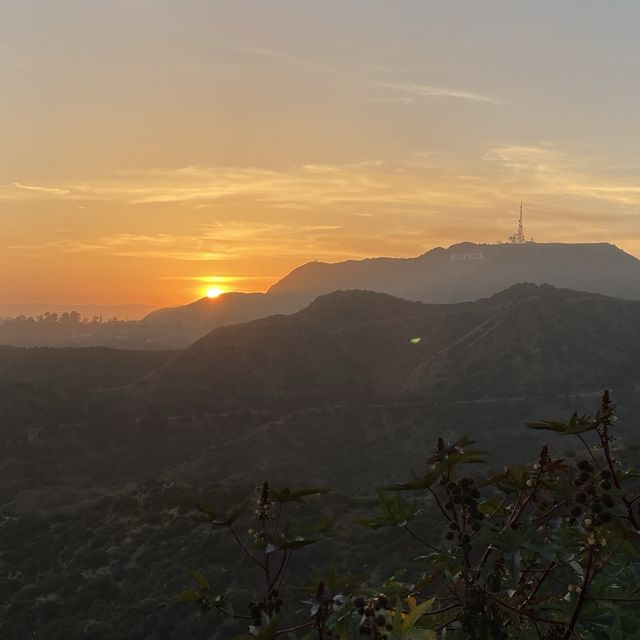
(462,272)
(228,308)
(528,340)
(469,271)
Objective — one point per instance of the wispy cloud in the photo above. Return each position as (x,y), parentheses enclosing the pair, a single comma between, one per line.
(543,170)
(431,91)
(55,191)
(338,211)
(219,241)
(304,187)
(547,169)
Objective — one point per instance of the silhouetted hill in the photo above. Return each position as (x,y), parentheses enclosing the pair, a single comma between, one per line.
(228,308)
(462,272)
(469,271)
(528,339)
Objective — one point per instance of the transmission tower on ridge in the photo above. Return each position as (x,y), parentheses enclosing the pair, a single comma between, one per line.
(518,236)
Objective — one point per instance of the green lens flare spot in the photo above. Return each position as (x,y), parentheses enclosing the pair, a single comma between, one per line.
(415,340)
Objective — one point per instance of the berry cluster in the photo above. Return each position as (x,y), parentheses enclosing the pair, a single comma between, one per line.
(592,498)
(465,516)
(263,512)
(264,506)
(376,618)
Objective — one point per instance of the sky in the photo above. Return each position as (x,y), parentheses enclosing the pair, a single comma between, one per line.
(152,149)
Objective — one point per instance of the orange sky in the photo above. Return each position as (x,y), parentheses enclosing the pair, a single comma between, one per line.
(152,149)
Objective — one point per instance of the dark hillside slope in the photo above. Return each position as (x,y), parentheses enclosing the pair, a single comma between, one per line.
(528,339)
(85,368)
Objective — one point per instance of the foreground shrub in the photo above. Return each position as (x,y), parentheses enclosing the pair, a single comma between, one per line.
(547,550)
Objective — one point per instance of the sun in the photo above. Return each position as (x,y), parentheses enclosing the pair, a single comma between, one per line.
(214,292)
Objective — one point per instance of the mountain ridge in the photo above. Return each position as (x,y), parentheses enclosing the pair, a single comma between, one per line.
(534,339)
(463,271)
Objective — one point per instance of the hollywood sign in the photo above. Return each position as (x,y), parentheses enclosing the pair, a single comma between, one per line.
(466,256)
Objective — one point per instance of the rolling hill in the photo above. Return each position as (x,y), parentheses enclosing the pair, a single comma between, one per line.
(527,340)
(461,272)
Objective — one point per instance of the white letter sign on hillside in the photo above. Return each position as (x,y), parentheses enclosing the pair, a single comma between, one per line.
(466,256)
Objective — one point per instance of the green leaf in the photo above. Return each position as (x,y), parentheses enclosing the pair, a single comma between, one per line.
(576,424)
(207,509)
(415,612)
(190,595)
(203,583)
(417,484)
(295,543)
(200,517)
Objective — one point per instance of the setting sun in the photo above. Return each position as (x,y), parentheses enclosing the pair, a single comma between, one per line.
(214,292)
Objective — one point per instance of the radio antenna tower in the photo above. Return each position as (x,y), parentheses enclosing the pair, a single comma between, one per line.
(518,236)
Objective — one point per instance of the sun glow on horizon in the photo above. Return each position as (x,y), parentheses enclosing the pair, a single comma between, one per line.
(214,292)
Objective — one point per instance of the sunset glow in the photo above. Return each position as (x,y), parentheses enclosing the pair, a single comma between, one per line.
(214,292)
(247,147)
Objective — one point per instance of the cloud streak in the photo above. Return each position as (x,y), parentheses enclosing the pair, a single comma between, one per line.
(431,91)
(54,191)
(349,210)
(540,170)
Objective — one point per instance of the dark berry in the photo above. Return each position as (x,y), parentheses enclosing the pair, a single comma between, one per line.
(605,474)
(576,511)
(583,477)
(606,485)
(448,506)
(449,535)
(585,465)
(581,498)
(381,621)
(605,517)
(359,602)
(453,526)
(607,500)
